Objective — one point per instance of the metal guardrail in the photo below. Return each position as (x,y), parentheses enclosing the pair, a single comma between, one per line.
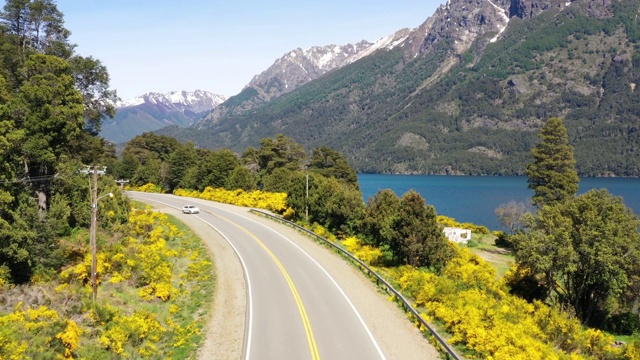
(379,279)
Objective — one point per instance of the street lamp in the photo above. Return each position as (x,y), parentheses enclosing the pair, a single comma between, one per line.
(94,260)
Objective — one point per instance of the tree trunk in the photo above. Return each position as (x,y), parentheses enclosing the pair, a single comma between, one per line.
(42,203)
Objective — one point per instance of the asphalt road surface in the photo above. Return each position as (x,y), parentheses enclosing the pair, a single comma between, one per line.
(298,302)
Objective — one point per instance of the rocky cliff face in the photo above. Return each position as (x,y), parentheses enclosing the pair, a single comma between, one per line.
(461,22)
(288,73)
(458,22)
(298,67)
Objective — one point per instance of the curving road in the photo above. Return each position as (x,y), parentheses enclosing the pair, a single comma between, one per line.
(298,300)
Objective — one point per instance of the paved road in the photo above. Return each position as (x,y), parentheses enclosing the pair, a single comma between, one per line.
(295,309)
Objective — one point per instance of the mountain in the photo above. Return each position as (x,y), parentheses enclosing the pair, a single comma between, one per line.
(153,111)
(288,73)
(466,93)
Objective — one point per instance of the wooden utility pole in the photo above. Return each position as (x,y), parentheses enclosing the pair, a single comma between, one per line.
(93,190)
(94,220)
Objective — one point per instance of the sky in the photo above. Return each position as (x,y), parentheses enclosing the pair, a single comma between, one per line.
(218,46)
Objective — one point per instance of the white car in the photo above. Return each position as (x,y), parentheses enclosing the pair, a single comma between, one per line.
(190,209)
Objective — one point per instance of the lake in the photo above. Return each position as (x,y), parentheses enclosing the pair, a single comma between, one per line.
(475,198)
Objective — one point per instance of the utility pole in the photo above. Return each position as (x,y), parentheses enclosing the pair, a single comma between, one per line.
(121,183)
(94,219)
(94,247)
(306,202)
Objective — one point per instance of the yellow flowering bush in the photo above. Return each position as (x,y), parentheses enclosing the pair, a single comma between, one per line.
(276,202)
(352,244)
(451,222)
(149,187)
(146,265)
(70,337)
(31,333)
(368,254)
(477,309)
(322,231)
(135,330)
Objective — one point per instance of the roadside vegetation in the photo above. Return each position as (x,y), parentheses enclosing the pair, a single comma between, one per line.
(576,273)
(516,303)
(155,289)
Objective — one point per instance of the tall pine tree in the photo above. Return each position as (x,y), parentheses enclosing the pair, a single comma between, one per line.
(552,174)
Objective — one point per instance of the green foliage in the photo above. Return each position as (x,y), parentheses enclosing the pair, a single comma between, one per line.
(216,168)
(504,240)
(52,112)
(586,251)
(552,174)
(278,152)
(241,178)
(407,228)
(331,163)
(424,242)
(331,203)
(92,80)
(49,102)
(280,180)
(380,217)
(183,158)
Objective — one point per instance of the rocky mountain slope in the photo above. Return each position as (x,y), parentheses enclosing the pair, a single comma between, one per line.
(152,111)
(466,92)
(291,71)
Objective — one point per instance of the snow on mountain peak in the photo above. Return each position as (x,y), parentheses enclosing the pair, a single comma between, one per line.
(197,98)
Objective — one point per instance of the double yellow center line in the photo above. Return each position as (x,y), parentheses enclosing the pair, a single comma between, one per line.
(313,347)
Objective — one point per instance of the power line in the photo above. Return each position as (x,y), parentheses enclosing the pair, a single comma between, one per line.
(29,179)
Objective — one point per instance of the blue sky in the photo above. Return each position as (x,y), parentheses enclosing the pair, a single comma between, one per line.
(220,45)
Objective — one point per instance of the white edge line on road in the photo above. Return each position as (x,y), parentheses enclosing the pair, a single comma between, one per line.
(373,340)
(247,352)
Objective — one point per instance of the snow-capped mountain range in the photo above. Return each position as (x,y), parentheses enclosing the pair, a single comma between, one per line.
(153,111)
(296,68)
(196,101)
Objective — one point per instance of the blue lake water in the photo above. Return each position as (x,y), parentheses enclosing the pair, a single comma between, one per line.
(475,198)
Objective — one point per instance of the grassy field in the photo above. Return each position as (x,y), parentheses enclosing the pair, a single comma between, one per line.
(484,246)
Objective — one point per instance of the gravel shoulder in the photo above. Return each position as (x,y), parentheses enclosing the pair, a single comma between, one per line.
(225,327)
(395,334)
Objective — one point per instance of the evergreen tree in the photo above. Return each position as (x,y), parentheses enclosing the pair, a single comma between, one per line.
(552,174)
(406,230)
(424,243)
(586,253)
(241,178)
(331,163)
(380,217)
(216,168)
(332,203)
(180,161)
(50,107)
(281,180)
(279,151)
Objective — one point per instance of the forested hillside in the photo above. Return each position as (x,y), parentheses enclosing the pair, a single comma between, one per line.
(475,111)
(52,102)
